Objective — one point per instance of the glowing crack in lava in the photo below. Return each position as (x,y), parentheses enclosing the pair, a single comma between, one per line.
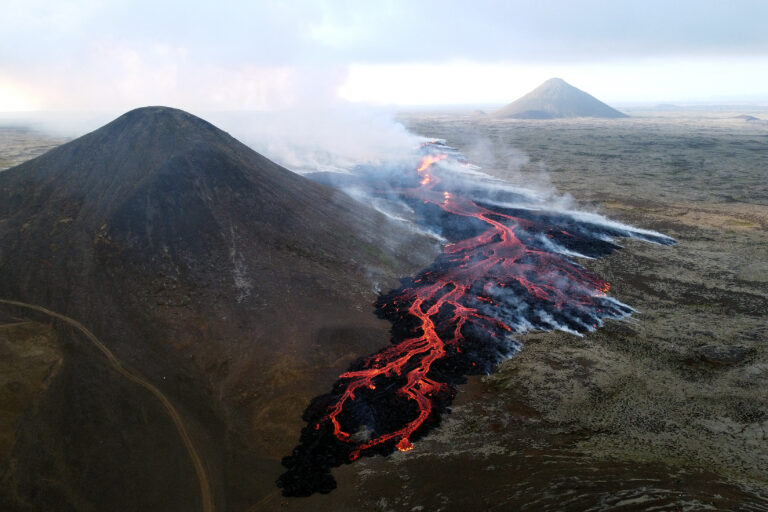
(508,268)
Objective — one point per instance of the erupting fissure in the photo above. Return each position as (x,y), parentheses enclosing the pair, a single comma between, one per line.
(506,270)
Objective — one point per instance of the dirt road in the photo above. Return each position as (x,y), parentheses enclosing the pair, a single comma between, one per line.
(202,476)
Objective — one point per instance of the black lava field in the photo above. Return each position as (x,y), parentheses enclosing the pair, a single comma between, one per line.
(508,266)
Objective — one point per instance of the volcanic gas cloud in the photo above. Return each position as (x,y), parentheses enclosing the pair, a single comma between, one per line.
(508,267)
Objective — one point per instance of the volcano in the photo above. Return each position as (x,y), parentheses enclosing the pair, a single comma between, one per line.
(209,275)
(556,98)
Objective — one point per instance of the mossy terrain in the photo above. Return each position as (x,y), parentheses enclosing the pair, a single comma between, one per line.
(19,144)
(29,358)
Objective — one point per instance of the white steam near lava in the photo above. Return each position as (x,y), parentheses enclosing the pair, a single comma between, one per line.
(365,154)
(337,138)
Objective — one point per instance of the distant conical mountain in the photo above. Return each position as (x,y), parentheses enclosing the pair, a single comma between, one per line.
(213,273)
(556,98)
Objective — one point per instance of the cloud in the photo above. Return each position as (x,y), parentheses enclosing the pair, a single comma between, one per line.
(239,54)
(341,32)
(535,30)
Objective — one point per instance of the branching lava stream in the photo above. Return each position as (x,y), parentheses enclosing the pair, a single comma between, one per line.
(506,269)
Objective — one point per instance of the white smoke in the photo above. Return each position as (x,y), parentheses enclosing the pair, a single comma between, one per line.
(334,138)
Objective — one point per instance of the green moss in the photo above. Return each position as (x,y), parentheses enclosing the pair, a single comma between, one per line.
(29,357)
(375,254)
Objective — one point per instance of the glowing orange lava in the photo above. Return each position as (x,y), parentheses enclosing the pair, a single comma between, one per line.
(404,445)
(506,267)
(429,161)
(495,257)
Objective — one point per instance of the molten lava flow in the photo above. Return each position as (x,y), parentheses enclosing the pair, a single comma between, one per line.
(493,260)
(429,161)
(507,271)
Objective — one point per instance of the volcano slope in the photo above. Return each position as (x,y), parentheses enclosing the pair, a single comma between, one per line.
(210,273)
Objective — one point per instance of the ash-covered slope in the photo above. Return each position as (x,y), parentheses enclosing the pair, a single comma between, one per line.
(207,269)
(159,181)
(556,98)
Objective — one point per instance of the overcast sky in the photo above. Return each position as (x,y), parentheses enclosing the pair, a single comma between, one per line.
(102,54)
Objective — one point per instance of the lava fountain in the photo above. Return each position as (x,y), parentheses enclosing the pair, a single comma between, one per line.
(508,267)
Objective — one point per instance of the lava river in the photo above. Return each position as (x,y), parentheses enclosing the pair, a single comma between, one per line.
(508,266)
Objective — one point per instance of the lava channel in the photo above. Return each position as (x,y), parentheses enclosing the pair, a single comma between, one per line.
(505,270)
